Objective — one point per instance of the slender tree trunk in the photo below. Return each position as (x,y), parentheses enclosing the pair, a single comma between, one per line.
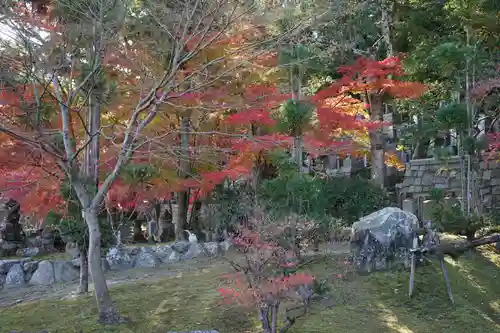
(91,166)
(182,196)
(108,314)
(84,273)
(296,84)
(386,22)
(377,140)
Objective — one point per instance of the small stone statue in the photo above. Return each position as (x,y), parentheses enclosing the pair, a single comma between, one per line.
(11,231)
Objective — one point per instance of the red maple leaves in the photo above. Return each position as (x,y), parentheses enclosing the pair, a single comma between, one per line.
(254,286)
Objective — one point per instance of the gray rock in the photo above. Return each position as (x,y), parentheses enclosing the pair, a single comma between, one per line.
(28,252)
(15,277)
(146,258)
(44,274)
(73,250)
(2,280)
(133,250)
(383,239)
(173,257)
(225,245)
(29,268)
(163,252)
(195,249)
(64,271)
(104,264)
(181,246)
(119,258)
(75,262)
(6,264)
(211,248)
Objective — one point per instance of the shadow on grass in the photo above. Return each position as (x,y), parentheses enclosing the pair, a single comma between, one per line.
(379,302)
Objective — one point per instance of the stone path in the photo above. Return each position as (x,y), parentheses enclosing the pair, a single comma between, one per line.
(12,296)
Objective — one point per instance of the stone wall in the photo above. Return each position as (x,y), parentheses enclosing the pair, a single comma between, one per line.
(16,273)
(423,175)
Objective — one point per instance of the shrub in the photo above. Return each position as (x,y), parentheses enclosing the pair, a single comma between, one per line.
(266,279)
(346,199)
(450,218)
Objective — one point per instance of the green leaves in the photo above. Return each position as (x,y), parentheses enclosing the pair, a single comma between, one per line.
(294,116)
(138,173)
(453,116)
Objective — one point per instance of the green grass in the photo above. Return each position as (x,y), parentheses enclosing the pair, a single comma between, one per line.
(375,303)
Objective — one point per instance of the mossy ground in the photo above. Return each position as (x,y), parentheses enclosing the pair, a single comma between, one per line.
(374,303)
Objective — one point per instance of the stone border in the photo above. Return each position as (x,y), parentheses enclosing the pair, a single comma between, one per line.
(17,273)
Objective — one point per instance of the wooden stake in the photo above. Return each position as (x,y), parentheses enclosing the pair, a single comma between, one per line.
(413,265)
(446,280)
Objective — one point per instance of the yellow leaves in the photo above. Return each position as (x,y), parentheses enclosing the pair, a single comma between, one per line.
(392,160)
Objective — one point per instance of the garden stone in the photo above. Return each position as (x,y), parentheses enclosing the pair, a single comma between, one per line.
(225,245)
(146,258)
(44,275)
(194,251)
(6,264)
(383,239)
(119,258)
(29,268)
(64,272)
(173,257)
(211,248)
(28,252)
(2,280)
(73,250)
(15,277)
(181,246)
(104,264)
(162,252)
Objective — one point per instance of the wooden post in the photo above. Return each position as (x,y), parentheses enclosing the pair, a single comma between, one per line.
(413,265)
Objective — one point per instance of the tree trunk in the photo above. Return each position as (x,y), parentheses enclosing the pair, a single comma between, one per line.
(378,168)
(83,288)
(386,22)
(182,196)
(108,314)
(421,149)
(181,221)
(91,170)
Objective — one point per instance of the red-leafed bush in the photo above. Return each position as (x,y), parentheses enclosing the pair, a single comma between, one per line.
(265,279)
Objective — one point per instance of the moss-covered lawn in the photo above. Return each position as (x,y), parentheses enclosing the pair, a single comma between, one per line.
(375,303)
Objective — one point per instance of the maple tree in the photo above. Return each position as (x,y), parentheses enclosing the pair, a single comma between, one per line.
(116,133)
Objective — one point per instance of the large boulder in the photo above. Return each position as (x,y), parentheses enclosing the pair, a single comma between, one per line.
(44,274)
(6,264)
(15,277)
(383,239)
(65,272)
